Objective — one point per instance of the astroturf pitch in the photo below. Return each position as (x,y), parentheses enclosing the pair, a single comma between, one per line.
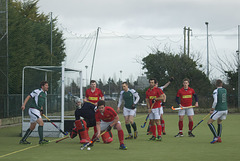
(140,149)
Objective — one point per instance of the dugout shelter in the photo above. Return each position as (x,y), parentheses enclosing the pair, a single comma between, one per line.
(61,81)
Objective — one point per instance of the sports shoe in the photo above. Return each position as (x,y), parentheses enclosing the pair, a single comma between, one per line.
(158,138)
(179,135)
(24,142)
(98,140)
(129,137)
(190,134)
(123,147)
(164,133)
(215,139)
(219,140)
(135,134)
(44,141)
(149,133)
(152,138)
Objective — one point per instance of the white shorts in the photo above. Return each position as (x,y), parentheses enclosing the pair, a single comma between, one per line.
(129,112)
(222,115)
(104,125)
(188,111)
(155,114)
(161,110)
(34,114)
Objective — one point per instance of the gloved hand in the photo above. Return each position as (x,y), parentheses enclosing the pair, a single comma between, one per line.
(153,100)
(109,128)
(171,79)
(163,103)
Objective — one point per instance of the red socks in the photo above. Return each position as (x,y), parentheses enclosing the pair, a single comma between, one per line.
(153,130)
(190,125)
(163,125)
(159,128)
(121,136)
(180,125)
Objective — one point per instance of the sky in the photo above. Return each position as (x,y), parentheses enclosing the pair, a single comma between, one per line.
(131,29)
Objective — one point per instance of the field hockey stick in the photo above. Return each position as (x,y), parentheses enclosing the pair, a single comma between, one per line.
(92,141)
(142,126)
(182,108)
(62,139)
(89,102)
(200,122)
(64,133)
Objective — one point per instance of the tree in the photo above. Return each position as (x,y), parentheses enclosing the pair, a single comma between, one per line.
(29,41)
(229,68)
(162,65)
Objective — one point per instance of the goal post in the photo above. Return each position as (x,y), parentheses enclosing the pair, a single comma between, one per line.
(61,81)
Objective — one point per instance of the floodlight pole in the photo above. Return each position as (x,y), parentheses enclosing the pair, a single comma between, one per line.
(120,78)
(207,52)
(238,66)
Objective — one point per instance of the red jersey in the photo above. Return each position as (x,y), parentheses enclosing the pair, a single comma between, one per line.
(108,115)
(93,96)
(154,93)
(185,96)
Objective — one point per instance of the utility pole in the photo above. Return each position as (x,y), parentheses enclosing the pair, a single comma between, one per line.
(207,52)
(184,35)
(189,30)
(186,30)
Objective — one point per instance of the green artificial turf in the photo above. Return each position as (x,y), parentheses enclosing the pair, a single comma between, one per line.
(140,149)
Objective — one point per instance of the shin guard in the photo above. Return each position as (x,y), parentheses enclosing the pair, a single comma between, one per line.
(107,137)
(81,128)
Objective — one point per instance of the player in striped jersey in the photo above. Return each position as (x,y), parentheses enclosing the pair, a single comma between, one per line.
(35,111)
(219,111)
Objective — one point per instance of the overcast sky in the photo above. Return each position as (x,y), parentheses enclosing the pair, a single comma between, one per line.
(130,28)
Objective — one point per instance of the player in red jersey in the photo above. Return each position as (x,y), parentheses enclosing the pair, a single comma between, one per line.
(93,94)
(161,111)
(185,94)
(156,96)
(106,118)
